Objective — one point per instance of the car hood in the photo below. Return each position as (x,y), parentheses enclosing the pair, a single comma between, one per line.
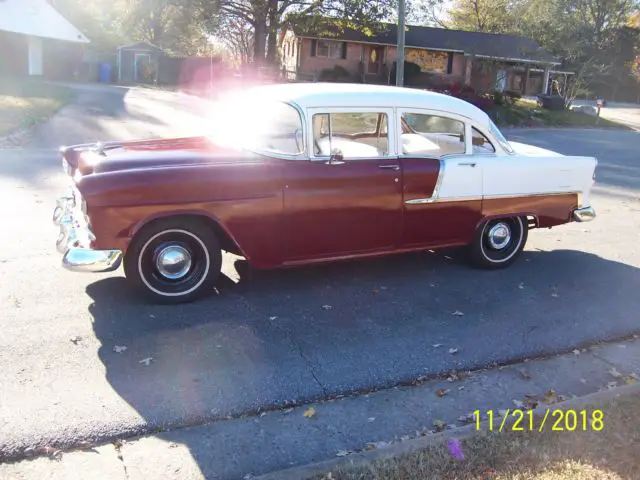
(135,155)
(532,151)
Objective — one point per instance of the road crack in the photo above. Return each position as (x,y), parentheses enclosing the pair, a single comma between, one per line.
(118,447)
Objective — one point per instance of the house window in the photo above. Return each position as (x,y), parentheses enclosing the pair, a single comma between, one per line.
(331,49)
(356,135)
(433,135)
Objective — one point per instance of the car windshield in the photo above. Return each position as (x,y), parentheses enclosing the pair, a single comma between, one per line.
(495,131)
(259,126)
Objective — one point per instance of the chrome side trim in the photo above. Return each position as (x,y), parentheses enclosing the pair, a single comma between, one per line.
(585,214)
(520,195)
(418,201)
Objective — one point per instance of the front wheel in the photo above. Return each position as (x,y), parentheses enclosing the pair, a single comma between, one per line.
(499,242)
(173,261)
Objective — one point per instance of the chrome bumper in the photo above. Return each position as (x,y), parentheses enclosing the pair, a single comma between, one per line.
(75,237)
(585,214)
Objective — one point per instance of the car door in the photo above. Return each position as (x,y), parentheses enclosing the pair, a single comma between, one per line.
(348,206)
(442,179)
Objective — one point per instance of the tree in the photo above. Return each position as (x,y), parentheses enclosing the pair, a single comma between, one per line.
(269,17)
(491,16)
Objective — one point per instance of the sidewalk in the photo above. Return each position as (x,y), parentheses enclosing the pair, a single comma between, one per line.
(272,441)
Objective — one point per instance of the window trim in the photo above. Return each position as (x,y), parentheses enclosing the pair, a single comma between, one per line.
(391,140)
(491,142)
(433,113)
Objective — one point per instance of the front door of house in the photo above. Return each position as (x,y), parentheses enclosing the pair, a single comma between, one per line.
(374,60)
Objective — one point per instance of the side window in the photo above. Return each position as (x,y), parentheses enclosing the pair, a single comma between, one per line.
(481,144)
(356,135)
(426,134)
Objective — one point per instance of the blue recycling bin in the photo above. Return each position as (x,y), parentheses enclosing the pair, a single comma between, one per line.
(104,74)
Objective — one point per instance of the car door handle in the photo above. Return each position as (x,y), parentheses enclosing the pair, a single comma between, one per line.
(467,164)
(390,167)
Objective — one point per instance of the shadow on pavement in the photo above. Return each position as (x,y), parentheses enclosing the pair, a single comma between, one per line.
(277,337)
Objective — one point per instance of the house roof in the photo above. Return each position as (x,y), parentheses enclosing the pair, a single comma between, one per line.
(488,45)
(39,19)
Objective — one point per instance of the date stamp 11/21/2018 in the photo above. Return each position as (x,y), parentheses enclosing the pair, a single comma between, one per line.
(556,420)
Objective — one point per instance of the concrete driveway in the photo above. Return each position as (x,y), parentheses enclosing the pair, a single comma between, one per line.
(265,340)
(624,113)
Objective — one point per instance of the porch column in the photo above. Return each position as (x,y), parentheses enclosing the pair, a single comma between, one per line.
(35,55)
(525,87)
(545,81)
(467,70)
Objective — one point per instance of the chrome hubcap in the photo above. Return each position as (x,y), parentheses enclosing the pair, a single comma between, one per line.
(173,262)
(499,236)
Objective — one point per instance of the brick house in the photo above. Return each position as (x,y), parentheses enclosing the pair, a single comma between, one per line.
(483,61)
(35,39)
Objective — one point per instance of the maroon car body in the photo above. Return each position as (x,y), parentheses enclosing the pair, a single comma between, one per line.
(279,210)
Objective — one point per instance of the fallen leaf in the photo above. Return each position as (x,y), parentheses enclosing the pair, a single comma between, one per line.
(461,387)
(436,345)
(371,419)
(582,380)
(382,287)
(457,313)
(378,445)
(453,376)
(468,418)
(441,392)
(576,352)
(523,374)
(611,385)
(75,339)
(527,259)
(288,410)
(555,295)
(439,425)
(263,414)
(173,445)
(309,412)
(521,286)
(550,396)
(531,401)
(453,351)
(448,257)
(146,361)
(615,372)
(327,307)
(432,285)
(404,438)
(152,316)
(517,403)
(273,318)
(119,348)
(502,413)
(342,453)
(630,379)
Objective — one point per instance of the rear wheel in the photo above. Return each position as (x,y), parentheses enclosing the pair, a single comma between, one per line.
(499,242)
(173,261)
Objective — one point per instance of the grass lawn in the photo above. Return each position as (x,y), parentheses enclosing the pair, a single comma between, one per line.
(609,454)
(527,113)
(27,101)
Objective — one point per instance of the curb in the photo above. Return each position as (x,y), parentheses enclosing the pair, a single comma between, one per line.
(421,443)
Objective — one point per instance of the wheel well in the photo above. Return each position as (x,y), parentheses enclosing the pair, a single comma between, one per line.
(226,241)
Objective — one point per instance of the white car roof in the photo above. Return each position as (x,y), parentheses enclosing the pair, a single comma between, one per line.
(319,95)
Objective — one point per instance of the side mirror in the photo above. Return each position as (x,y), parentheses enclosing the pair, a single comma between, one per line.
(336,158)
(477,141)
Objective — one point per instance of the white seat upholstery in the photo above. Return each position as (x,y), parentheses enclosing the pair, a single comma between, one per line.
(349,148)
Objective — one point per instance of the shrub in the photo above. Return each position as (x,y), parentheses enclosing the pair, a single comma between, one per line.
(498,98)
(511,96)
(336,74)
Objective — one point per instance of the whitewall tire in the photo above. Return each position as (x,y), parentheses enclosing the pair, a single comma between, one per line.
(499,242)
(173,261)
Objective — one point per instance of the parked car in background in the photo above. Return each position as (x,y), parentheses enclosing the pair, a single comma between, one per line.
(301,173)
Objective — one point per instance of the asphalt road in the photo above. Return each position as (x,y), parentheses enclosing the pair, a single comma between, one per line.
(265,340)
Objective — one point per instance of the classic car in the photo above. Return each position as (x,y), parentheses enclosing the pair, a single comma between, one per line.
(299,173)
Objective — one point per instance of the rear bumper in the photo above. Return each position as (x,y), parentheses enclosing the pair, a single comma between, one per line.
(585,214)
(75,237)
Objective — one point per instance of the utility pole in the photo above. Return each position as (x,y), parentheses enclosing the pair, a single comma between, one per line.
(400,47)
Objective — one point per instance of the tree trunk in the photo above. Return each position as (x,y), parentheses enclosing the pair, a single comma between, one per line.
(259,41)
(272,42)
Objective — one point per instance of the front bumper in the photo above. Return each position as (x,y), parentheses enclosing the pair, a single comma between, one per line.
(585,214)
(75,237)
